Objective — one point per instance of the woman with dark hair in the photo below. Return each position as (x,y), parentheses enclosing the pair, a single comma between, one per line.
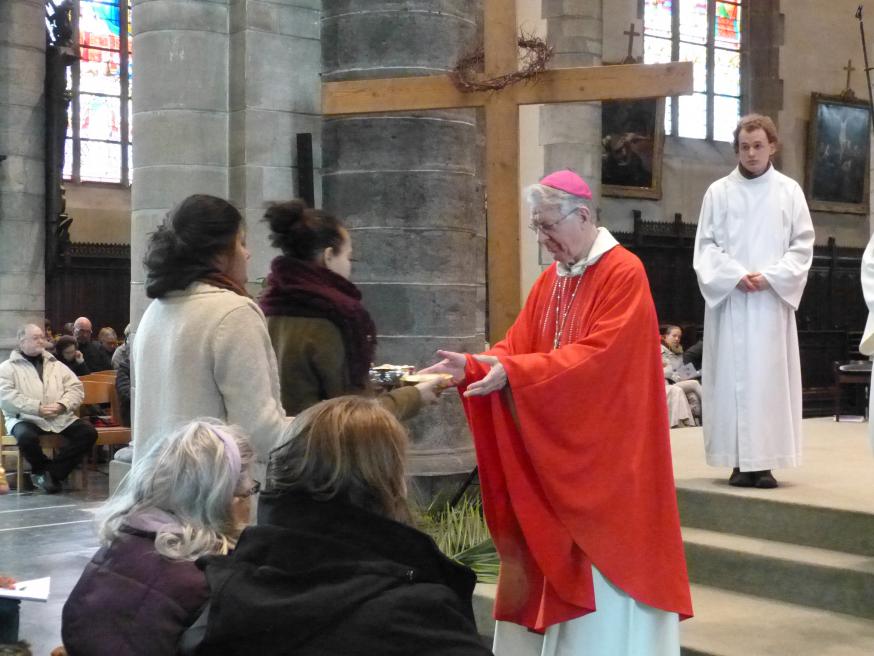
(202,347)
(323,337)
(67,351)
(333,566)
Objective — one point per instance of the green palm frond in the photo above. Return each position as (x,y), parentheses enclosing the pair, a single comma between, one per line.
(461,533)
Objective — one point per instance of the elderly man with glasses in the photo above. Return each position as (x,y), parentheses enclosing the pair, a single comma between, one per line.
(569,419)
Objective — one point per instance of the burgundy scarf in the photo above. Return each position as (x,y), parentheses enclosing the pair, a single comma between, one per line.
(220,280)
(300,289)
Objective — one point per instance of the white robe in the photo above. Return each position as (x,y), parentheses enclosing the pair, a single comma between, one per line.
(751,367)
(621,626)
(866,346)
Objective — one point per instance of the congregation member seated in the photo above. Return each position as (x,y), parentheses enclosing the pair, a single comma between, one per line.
(67,351)
(323,336)
(95,357)
(50,336)
(679,374)
(121,364)
(108,342)
(334,565)
(187,497)
(40,395)
(123,349)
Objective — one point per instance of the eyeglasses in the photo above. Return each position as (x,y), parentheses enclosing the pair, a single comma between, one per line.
(537,225)
(255,489)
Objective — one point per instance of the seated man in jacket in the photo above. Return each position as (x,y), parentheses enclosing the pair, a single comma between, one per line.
(40,395)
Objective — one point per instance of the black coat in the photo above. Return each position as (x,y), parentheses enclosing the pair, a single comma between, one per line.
(329,579)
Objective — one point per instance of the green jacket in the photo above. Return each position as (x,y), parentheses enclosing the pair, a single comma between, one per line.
(312,367)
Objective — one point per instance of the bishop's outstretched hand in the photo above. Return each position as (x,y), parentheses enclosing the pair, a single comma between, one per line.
(494,381)
(452,363)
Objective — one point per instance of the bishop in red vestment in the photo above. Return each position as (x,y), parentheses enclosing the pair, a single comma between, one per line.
(570,424)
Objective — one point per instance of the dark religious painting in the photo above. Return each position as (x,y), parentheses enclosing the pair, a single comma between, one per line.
(632,139)
(837,154)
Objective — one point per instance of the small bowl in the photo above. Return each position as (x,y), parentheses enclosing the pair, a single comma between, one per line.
(389,375)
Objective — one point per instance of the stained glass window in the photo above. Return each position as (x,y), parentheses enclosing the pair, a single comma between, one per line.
(98,134)
(707,33)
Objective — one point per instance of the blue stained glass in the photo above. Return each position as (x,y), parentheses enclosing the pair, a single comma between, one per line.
(99,19)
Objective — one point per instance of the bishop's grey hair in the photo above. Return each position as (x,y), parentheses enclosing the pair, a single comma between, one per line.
(540,197)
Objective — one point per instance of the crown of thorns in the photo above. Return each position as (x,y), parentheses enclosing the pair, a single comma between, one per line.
(534,59)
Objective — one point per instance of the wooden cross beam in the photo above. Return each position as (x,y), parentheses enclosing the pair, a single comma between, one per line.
(502,128)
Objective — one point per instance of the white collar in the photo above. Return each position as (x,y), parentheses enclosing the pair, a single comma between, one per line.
(604,241)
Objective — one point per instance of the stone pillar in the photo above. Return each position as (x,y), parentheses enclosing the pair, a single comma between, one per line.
(409,187)
(180,115)
(571,132)
(274,95)
(22,173)
(764,34)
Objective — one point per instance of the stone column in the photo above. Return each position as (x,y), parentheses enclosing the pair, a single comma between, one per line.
(409,187)
(180,115)
(571,132)
(274,95)
(22,173)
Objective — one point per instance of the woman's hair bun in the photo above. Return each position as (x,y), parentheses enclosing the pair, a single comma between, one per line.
(284,217)
(301,232)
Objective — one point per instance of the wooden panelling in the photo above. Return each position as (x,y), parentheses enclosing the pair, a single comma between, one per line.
(92,280)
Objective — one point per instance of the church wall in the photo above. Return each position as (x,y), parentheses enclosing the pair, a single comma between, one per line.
(100,213)
(816,48)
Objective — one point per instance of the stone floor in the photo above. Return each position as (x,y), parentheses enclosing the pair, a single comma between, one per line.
(818,523)
(48,535)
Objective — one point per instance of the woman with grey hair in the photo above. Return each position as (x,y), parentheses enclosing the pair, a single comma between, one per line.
(188,496)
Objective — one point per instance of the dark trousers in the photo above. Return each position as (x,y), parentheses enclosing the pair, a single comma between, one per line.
(9,621)
(80,437)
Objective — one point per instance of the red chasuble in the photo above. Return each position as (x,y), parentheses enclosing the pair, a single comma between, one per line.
(576,468)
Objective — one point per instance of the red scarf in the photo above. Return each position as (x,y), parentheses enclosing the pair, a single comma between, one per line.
(301,289)
(222,281)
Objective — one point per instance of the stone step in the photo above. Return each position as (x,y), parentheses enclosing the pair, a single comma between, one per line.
(768,514)
(734,624)
(809,576)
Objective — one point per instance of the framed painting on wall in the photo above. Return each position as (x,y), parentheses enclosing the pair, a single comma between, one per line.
(632,139)
(836,172)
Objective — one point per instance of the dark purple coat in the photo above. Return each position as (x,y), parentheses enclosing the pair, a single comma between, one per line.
(132,600)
